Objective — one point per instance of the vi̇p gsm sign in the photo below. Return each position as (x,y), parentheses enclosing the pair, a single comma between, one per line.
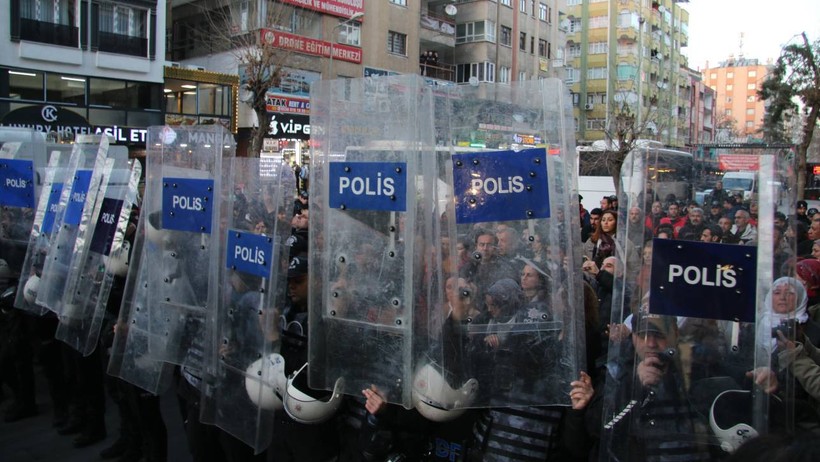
(703,280)
(501,186)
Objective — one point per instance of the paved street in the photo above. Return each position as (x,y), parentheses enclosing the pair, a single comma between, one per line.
(34,439)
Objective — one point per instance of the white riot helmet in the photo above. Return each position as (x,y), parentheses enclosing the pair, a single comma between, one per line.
(153,229)
(310,407)
(436,400)
(117,261)
(30,289)
(727,416)
(265,371)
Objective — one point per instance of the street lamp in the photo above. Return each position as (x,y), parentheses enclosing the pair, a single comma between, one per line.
(353,17)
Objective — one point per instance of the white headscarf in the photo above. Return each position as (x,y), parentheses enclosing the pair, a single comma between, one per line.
(770,318)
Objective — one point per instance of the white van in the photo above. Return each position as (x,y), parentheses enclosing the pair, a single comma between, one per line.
(740,182)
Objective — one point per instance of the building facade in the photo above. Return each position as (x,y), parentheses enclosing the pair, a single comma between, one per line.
(450,42)
(83,66)
(703,111)
(626,54)
(736,82)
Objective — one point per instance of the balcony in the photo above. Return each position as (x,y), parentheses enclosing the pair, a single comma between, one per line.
(123,44)
(440,71)
(46,32)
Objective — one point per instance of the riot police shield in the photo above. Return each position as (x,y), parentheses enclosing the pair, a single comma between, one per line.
(396,195)
(22,162)
(130,359)
(365,265)
(100,256)
(39,238)
(86,167)
(694,342)
(181,211)
(239,381)
(505,331)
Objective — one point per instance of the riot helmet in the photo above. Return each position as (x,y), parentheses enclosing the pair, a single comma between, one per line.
(308,406)
(264,371)
(728,417)
(31,288)
(436,399)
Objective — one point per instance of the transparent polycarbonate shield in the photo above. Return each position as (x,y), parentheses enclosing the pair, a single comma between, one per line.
(100,256)
(23,158)
(252,267)
(181,208)
(700,309)
(42,227)
(366,273)
(505,331)
(502,159)
(130,358)
(86,167)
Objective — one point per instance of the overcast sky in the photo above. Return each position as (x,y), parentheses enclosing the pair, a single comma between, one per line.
(715,27)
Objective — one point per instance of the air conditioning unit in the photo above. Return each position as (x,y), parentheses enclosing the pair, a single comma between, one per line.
(589,107)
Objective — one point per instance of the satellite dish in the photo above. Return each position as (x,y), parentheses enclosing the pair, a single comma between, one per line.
(451,10)
(473,81)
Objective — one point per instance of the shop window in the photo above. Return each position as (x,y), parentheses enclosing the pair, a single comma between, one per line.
(65,89)
(23,84)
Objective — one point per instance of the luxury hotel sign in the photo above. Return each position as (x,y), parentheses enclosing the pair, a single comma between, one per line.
(67,124)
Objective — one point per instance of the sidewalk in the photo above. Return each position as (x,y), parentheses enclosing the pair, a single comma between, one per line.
(34,439)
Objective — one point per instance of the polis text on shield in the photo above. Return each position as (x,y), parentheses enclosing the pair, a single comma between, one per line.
(187,203)
(246,254)
(359,186)
(19,183)
(510,185)
(722,276)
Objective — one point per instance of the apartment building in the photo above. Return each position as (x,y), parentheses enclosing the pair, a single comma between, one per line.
(83,66)
(627,53)
(703,111)
(736,82)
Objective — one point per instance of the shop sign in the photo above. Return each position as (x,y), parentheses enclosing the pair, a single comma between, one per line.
(289,126)
(311,46)
(67,124)
(340,8)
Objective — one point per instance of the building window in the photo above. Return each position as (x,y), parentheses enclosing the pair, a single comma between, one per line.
(595,124)
(751,99)
(573,2)
(351,34)
(542,12)
(572,76)
(596,73)
(730,87)
(751,86)
(730,75)
(505,2)
(597,48)
(576,98)
(522,41)
(396,43)
(750,124)
(532,45)
(597,22)
(475,31)
(752,74)
(750,111)
(49,21)
(713,75)
(483,72)
(123,29)
(506,36)
(399,2)
(23,84)
(504,74)
(66,89)
(542,48)
(522,76)
(728,99)
(522,6)
(574,50)
(575,25)
(727,112)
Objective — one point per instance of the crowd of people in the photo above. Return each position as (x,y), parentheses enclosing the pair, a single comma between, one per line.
(647,368)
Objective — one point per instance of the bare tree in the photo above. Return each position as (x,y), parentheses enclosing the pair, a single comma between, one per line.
(624,128)
(247,31)
(796,75)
